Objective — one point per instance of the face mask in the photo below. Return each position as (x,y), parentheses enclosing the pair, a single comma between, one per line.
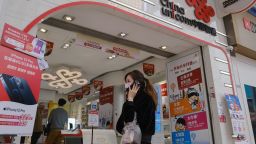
(127,85)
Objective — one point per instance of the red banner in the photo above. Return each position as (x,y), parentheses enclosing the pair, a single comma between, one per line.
(21,41)
(98,85)
(149,69)
(106,95)
(189,79)
(163,89)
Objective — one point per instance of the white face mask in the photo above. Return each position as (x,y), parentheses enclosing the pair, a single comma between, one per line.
(127,85)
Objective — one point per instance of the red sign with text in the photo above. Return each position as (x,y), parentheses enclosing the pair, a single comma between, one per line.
(189,79)
(21,41)
(197,121)
(163,89)
(20,79)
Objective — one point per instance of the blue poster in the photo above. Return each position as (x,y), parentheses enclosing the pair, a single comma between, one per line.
(158,120)
(181,137)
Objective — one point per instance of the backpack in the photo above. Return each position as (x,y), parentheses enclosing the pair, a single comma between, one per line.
(131,133)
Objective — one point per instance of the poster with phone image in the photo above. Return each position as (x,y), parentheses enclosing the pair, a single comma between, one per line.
(23,42)
(20,79)
(188,113)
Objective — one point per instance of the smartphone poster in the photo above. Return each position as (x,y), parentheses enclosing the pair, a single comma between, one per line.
(21,41)
(188,113)
(20,79)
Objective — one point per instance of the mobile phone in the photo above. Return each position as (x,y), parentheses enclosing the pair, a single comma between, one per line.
(17,89)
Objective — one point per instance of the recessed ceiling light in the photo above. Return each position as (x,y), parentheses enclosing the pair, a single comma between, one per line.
(113,56)
(68,18)
(43,30)
(122,34)
(163,47)
(110,58)
(66,45)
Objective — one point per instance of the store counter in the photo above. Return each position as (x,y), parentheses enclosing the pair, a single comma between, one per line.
(83,136)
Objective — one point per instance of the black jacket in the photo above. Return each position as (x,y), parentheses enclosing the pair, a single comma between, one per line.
(145,108)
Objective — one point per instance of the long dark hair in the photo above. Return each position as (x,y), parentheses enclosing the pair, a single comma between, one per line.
(144,84)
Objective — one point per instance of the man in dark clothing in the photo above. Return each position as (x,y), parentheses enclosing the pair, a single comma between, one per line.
(57,119)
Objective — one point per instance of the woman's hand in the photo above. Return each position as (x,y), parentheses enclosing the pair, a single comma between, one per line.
(132,92)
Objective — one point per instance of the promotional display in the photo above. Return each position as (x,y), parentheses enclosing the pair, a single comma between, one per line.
(165,101)
(106,107)
(100,136)
(93,118)
(18,40)
(187,101)
(20,79)
(158,113)
(236,114)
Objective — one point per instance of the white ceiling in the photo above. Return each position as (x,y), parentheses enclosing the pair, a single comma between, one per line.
(93,62)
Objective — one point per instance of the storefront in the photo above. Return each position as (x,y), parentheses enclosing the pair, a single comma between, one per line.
(171,42)
(241,32)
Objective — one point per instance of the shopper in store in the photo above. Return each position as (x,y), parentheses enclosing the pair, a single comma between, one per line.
(58,119)
(141,99)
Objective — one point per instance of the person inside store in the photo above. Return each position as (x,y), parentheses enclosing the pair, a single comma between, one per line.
(141,99)
(38,127)
(57,120)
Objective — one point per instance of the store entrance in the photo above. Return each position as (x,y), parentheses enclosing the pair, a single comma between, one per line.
(88,58)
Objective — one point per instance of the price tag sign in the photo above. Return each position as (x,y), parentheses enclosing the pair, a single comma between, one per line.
(93,118)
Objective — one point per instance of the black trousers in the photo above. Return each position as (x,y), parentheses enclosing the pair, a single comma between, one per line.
(35,137)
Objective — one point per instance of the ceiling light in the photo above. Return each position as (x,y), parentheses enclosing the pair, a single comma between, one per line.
(66,45)
(43,30)
(113,56)
(163,47)
(110,58)
(122,34)
(68,18)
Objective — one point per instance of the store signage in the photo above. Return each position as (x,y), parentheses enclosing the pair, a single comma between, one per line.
(18,40)
(249,25)
(148,69)
(202,12)
(20,80)
(86,89)
(98,85)
(226,7)
(188,114)
(163,89)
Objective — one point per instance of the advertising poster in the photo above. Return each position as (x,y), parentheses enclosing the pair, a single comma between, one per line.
(158,114)
(236,114)
(93,118)
(250,92)
(20,79)
(165,101)
(106,107)
(21,41)
(148,69)
(188,116)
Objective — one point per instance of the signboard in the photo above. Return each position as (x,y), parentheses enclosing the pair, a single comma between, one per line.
(249,25)
(18,40)
(226,7)
(187,101)
(93,118)
(107,47)
(106,107)
(20,79)
(148,69)
(236,114)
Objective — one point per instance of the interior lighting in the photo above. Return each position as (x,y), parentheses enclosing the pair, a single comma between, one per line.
(122,34)
(66,45)
(163,47)
(68,18)
(43,30)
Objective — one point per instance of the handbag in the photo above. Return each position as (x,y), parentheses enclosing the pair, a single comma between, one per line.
(131,132)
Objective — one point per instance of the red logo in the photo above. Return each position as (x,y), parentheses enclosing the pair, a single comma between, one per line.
(202,11)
